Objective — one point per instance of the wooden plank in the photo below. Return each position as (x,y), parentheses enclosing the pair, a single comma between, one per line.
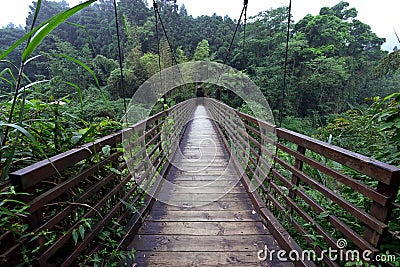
(204,228)
(205,189)
(216,205)
(206,259)
(174,243)
(202,197)
(189,182)
(203,216)
(204,179)
(212,221)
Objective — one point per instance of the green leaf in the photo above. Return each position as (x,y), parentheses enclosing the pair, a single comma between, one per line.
(82,231)
(106,150)
(83,65)
(90,131)
(324,214)
(19,42)
(25,132)
(130,206)
(75,139)
(116,171)
(43,31)
(75,236)
(88,69)
(386,126)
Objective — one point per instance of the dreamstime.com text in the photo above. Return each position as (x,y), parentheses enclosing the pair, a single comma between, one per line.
(333,254)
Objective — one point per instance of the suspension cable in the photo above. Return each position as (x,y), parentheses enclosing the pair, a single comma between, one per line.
(122,84)
(155,5)
(244,11)
(165,32)
(244,32)
(286,65)
(158,17)
(284,78)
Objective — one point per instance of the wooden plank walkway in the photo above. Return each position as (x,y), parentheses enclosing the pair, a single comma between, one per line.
(206,217)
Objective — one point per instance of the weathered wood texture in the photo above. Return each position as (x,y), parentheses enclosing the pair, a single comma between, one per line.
(310,186)
(209,220)
(90,184)
(231,176)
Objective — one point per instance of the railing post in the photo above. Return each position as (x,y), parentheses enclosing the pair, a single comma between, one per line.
(298,164)
(218,94)
(381,212)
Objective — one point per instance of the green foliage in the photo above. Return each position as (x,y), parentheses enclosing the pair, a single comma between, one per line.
(57,105)
(389,63)
(202,51)
(373,131)
(43,31)
(12,213)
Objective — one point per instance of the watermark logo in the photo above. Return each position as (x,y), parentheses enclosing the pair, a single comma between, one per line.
(340,254)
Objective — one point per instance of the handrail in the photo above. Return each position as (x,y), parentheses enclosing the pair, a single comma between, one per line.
(92,183)
(309,186)
(303,188)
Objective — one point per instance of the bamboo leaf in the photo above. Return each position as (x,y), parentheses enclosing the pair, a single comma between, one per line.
(88,69)
(24,131)
(35,16)
(83,65)
(76,25)
(33,84)
(23,39)
(7,81)
(29,34)
(44,31)
(32,58)
(78,89)
(129,205)
(82,138)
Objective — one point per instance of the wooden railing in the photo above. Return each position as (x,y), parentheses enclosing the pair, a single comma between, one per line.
(76,195)
(311,193)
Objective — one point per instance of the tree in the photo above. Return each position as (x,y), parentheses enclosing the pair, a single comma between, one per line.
(135,11)
(202,51)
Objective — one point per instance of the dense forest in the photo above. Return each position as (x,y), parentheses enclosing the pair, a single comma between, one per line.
(341,86)
(333,63)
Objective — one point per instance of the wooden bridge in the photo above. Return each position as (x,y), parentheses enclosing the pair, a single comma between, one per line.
(202,184)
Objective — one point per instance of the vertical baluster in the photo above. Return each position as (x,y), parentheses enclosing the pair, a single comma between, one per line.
(381,212)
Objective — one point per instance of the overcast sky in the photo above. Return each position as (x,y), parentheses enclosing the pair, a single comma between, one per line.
(383,16)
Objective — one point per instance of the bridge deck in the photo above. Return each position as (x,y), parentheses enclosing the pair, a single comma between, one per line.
(204,217)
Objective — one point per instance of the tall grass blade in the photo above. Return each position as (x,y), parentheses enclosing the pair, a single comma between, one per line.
(78,90)
(33,84)
(83,65)
(88,69)
(44,31)
(29,34)
(35,16)
(9,62)
(25,132)
(32,58)
(87,34)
